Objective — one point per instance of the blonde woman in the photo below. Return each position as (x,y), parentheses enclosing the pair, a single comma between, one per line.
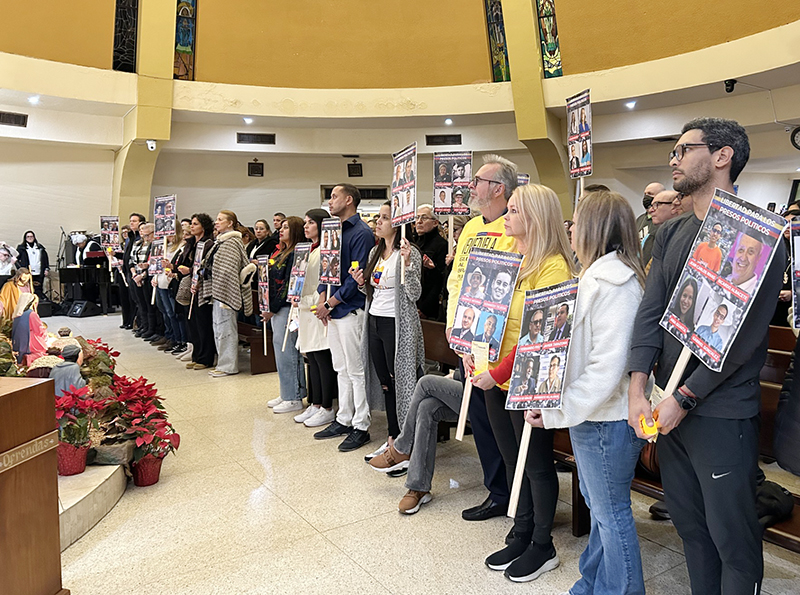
(595,395)
(535,221)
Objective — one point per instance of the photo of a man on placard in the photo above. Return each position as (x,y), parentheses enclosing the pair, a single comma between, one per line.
(467,318)
(561,326)
(709,253)
(551,384)
(710,332)
(744,259)
(530,371)
(488,331)
(442,175)
(535,325)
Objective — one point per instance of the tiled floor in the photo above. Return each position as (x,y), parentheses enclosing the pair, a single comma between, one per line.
(252,504)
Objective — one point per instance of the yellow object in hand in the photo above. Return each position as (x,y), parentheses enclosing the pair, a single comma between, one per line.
(354,265)
(648,430)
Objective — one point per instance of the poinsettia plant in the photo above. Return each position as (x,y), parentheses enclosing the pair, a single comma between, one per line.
(76,412)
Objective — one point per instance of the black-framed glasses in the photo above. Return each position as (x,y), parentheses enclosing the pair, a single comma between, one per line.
(680,150)
(477,180)
(657,203)
(423,218)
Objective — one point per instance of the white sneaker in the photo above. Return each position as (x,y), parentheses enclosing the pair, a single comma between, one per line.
(186,356)
(310,410)
(219,373)
(273,402)
(376,453)
(322,417)
(288,406)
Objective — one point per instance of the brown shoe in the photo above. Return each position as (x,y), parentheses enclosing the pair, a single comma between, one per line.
(190,366)
(200,366)
(389,460)
(413,500)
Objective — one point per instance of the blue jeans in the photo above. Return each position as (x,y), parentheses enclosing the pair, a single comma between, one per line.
(172,328)
(291,370)
(606,455)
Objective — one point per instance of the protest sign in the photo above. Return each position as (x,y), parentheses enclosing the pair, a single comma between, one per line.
(579,135)
(297,277)
(451,176)
(404,186)
(263,283)
(109,232)
(480,358)
(330,252)
(727,262)
(484,300)
(198,259)
(795,245)
(164,215)
(544,338)
(155,262)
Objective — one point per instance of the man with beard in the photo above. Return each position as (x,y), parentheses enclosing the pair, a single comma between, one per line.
(708,450)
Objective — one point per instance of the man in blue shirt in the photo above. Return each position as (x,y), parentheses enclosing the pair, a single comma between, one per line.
(343,313)
(710,334)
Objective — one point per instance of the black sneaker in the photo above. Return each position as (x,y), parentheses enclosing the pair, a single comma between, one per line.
(536,560)
(503,559)
(333,430)
(356,439)
(398,472)
(180,349)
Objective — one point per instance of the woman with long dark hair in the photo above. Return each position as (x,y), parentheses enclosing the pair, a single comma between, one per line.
(33,256)
(686,302)
(392,345)
(200,323)
(311,338)
(291,370)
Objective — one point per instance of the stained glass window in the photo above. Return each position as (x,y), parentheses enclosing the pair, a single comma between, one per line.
(497,41)
(548,37)
(126,22)
(185,28)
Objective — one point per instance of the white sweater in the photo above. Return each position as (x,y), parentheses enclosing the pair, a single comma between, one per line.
(311,334)
(596,379)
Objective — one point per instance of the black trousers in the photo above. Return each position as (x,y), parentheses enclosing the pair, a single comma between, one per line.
(708,468)
(202,332)
(128,308)
(322,379)
(155,323)
(538,497)
(138,294)
(494,470)
(381,347)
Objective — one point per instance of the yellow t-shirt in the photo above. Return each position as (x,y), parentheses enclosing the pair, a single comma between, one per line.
(554,270)
(476,234)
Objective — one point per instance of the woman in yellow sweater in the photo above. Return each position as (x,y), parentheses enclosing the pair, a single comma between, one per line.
(534,220)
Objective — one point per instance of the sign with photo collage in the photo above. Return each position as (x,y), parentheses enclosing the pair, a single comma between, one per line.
(404,186)
(545,334)
(579,135)
(198,261)
(297,277)
(452,173)
(330,252)
(484,300)
(730,254)
(155,262)
(165,215)
(109,233)
(263,283)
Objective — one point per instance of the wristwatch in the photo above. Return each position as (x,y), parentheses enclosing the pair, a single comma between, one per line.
(328,307)
(686,402)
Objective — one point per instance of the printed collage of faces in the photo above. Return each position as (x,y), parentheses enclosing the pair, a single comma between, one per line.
(165,226)
(541,372)
(796,271)
(404,198)
(702,305)
(155,263)
(579,140)
(452,173)
(263,284)
(298,274)
(109,231)
(330,267)
(483,307)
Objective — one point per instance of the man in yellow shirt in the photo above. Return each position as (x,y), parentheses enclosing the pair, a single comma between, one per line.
(490,190)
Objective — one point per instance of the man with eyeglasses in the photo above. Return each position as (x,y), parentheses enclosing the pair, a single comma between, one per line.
(710,332)
(660,212)
(490,190)
(433,248)
(643,221)
(534,329)
(708,448)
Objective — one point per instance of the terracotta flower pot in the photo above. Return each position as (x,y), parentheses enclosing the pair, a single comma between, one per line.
(71,458)
(147,471)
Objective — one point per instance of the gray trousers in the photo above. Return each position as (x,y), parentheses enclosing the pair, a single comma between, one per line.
(226,337)
(435,399)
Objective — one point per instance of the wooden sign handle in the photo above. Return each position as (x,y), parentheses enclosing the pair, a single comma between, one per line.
(462,416)
(519,472)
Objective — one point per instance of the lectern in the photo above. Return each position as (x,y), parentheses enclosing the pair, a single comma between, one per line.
(30,553)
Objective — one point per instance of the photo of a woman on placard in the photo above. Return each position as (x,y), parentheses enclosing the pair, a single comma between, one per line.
(442,174)
(586,156)
(685,303)
(584,125)
(573,123)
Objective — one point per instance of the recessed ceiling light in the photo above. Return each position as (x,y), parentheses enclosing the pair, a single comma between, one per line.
(630,104)
(798,169)
(33,99)
(248,120)
(448,122)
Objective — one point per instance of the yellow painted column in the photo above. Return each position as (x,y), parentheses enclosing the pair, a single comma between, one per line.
(151,117)
(536,128)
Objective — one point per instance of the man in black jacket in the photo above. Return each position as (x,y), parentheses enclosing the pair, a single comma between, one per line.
(708,450)
(433,248)
(136,219)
